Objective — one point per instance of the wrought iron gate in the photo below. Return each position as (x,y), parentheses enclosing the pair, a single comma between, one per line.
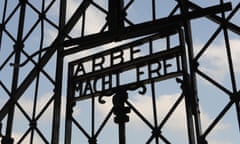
(153,73)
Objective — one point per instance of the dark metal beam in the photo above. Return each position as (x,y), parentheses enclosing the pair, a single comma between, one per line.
(116,15)
(190,82)
(217,19)
(157,26)
(7,139)
(59,77)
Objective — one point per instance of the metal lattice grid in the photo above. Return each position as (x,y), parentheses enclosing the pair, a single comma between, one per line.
(36,36)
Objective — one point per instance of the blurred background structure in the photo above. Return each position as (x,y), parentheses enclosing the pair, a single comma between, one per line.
(119,71)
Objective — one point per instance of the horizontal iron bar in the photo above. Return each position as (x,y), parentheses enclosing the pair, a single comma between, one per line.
(217,19)
(161,25)
(135,43)
(90,41)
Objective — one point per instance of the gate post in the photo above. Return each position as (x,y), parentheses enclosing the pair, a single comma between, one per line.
(121,113)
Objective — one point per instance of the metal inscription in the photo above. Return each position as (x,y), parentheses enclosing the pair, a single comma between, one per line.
(128,65)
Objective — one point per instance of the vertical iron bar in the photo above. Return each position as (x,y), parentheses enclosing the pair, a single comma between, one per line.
(93,139)
(93,116)
(154,109)
(122,129)
(186,93)
(229,54)
(237,103)
(18,47)
(69,111)
(154,10)
(83,24)
(2,22)
(116,15)
(59,75)
(154,97)
(193,80)
(230,64)
(38,77)
(121,111)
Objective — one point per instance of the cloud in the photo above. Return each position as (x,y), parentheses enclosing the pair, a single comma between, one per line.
(207,120)
(50,36)
(176,125)
(27,104)
(92,51)
(215,60)
(163,102)
(36,139)
(17,136)
(45,121)
(94,22)
(213,141)
(95,19)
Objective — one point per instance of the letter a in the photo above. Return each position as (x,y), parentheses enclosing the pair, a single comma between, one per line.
(80,70)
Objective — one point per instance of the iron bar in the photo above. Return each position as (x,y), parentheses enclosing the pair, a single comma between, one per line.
(99,39)
(10,35)
(42,15)
(7,139)
(211,39)
(44,108)
(24,136)
(35,63)
(104,123)
(237,104)
(17,104)
(209,79)
(81,129)
(140,115)
(154,109)
(7,60)
(121,113)
(154,10)
(59,76)
(33,121)
(93,138)
(234,28)
(31,30)
(115,16)
(42,136)
(69,109)
(2,22)
(192,96)
(170,112)
(83,24)
(218,118)
(155,117)
(160,25)
(186,86)
(99,7)
(117,26)
(230,64)
(12,13)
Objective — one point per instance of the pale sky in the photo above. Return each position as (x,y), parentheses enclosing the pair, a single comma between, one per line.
(213,63)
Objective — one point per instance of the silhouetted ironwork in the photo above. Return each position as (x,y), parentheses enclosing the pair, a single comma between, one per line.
(36,38)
